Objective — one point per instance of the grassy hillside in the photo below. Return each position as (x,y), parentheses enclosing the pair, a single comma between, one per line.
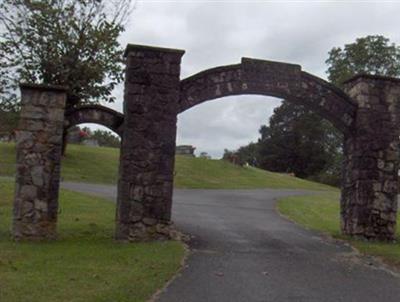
(100,165)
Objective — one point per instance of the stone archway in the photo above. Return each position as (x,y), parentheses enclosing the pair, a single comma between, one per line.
(367,112)
(95,114)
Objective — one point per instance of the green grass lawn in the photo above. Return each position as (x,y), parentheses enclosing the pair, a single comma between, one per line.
(100,165)
(85,264)
(321,213)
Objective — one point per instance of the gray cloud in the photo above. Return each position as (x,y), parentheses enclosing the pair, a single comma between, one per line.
(225,123)
(215,33)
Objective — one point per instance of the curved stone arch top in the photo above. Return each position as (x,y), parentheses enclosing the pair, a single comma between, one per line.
(95,114)
(282,80)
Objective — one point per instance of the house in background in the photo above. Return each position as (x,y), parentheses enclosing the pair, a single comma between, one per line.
(187,150)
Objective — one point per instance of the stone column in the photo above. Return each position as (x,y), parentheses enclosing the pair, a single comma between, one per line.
(39,140)
(148,143)
(370,178)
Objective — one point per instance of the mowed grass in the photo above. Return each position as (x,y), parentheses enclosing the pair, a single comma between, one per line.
(85,264)
(100,165)
(321,213)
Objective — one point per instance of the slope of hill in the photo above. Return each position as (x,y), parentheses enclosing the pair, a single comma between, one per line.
(100,165)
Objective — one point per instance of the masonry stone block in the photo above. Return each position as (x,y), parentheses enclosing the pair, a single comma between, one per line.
(39,140)
(370,179)
(148,143)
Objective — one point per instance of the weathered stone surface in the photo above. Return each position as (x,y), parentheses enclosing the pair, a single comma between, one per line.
(370,179)
(39,142)
(148,143)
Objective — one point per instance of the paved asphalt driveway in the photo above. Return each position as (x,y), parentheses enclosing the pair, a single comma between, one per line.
(242,250)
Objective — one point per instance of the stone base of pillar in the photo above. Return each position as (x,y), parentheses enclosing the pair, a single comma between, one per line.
(369,191)
(34,232)
(370,224)
(147,230)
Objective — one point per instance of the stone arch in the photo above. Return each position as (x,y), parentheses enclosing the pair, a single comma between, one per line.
(367,112)
(282,80)
(95,114)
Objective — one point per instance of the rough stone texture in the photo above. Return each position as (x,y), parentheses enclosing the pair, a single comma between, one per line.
(269,78)
(148,143)
(95,114)
(39,140)
(370,178)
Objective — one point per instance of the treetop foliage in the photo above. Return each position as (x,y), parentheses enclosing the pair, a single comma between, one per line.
(72,43)
(373,54)
(298,141)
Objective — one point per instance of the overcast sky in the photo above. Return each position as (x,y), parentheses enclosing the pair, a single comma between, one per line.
(215,33)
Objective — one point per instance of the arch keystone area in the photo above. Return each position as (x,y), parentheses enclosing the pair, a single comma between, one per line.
(367,112)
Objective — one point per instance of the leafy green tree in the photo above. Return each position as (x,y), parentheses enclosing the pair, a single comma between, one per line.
(232,157)
(63,42)
(227,154)
(248,154)
(106,138)
(73,43)
(245,154)
(374,55)
(297,141)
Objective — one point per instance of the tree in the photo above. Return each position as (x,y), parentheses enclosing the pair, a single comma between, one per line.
(64,42)
(232,157)
(73,43)
(106,138)
(297,141)
(248,154)
(245,154)
(374,55)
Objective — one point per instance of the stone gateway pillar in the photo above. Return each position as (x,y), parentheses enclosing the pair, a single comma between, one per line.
(39,140)
(370,178)
(148,143)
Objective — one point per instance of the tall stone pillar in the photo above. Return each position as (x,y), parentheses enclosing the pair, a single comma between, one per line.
(370,178)
(39,140)
(148,143)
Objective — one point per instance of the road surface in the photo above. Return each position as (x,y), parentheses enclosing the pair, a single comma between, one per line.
(243,250)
